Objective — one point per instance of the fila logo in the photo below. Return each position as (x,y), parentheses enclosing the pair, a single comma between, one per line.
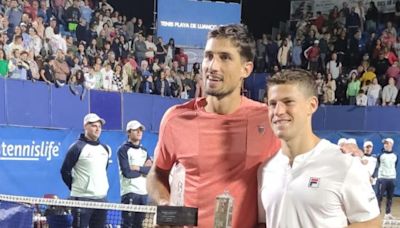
(314,182)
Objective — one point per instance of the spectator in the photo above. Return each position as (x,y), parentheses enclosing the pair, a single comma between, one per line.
(161,85)
(60,69)
(140,49)
(352,89)
(170,51)
(296,54)
(182,59)
(3,64)
(150,49)
(161,51)
(117,80)
(312,55)
(369,75)
(14,14)
(389,93)
(361,99)
(18,69)
(334,67)
(77,84)
(329,88)
(84,171)
(73,16)
(371,17)
(373,93)
(107,74)
(283,54)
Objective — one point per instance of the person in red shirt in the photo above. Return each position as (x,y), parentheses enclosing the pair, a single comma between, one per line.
(219,140)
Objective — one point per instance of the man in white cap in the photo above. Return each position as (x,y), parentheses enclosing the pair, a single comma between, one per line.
(369,159)
(134,165)
(386,173)
(84,171)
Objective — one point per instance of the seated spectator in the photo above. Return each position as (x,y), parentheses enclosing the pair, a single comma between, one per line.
(319,83)
(389,93)
(361,99)
(373,93)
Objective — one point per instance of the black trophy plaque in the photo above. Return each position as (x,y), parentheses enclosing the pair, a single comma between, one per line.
(176,216)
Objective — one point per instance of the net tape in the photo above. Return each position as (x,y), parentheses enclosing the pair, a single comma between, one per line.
(80,204)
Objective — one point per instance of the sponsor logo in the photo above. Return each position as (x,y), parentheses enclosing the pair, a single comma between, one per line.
(313,182)
(33,151)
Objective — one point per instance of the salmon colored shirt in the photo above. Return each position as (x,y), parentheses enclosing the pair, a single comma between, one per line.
(219,152)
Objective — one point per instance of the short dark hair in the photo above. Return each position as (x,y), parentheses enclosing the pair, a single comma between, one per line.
(300,77)
(240,38)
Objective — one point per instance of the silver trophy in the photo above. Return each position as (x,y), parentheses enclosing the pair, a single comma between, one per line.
(223,211)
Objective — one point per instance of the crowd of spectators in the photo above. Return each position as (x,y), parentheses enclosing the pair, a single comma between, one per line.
(353,52)
(89,45)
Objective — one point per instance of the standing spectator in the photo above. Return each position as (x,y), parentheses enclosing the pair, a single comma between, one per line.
(352,89)
(353,22)
(369,75)
(271,53)
(14,14)
(324,49)
(150,49)
(373,93)
(108,75)
(86,11)
(371,17)
(361,99)
(170,51)
(296,54)
(386,173)
(312,55)
(72,16)
(84,171)
(18,69)
(329,88)
(389,93)
(140,28)
(77,84)
(140,49)
(60,69)
(381,66)
(3,64)
(334,67)
(161,52)
(134,165)
(283,54)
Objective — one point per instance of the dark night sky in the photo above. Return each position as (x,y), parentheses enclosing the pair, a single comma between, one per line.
(259,15)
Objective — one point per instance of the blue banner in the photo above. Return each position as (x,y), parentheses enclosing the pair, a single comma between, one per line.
(189,21)
(30,158)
